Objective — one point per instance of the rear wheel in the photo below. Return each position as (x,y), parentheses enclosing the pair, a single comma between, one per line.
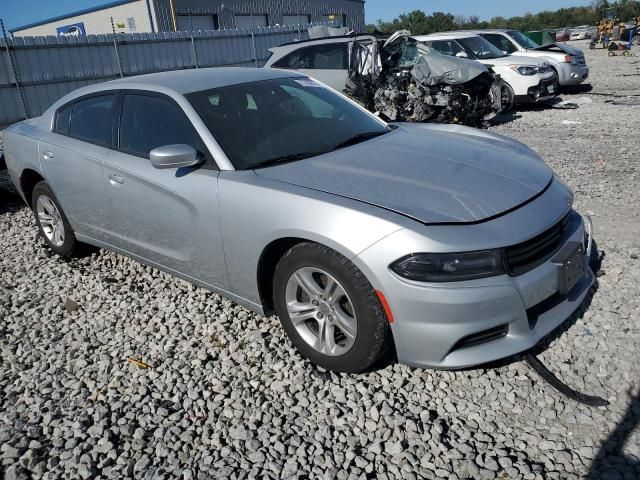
(52,222)
(329,309)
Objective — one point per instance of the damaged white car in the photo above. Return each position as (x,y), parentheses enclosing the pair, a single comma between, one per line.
(399,78)
(527,80)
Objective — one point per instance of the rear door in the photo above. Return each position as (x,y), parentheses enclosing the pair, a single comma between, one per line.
(72,156)
(169,216)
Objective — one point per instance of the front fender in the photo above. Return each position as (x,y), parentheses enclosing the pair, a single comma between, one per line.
(254,212)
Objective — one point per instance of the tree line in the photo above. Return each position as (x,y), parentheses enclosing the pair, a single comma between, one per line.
(419,23)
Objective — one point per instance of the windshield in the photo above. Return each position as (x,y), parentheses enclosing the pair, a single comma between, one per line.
(280,120)
(480,49)
(523,40)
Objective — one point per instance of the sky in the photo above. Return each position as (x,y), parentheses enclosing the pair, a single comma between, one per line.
(20,12)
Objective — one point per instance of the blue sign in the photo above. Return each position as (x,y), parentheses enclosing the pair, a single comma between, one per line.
(73,30)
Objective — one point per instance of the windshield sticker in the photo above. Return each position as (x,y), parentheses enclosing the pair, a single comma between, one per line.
(309,83)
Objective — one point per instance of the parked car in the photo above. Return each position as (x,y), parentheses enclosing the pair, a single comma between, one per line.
(562,34)
(396,78)
(567,61)
(580,33)
(453,245)
(527,80)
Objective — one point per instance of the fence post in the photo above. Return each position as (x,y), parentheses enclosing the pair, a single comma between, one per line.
(253,43)
(14,72)
(115,46)
(194,51)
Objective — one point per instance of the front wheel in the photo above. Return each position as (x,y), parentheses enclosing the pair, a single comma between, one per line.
(329,309)
(52,222)
(508,98)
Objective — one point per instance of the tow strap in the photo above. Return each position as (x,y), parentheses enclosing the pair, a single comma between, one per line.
(591,400)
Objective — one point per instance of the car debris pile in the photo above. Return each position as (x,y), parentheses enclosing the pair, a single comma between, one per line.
(405,81)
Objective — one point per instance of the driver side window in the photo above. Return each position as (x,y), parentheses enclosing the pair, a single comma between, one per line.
(149,122)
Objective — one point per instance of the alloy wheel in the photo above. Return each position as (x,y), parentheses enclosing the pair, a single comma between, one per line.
(50,220)
(321,311)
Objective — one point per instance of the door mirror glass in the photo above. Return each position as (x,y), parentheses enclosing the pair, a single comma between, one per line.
(174,156)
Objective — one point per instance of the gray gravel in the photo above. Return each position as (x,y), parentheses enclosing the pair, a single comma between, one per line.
(225,395)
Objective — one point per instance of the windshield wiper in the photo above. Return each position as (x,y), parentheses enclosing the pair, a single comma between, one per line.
(286,159)
(361,137)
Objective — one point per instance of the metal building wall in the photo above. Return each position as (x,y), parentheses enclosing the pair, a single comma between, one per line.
(276,9)
(37,71)
(98,22)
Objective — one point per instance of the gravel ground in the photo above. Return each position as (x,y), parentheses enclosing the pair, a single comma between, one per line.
(224,394)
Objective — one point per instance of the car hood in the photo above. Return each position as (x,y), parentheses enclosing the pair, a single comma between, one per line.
(431,173)
(560,48)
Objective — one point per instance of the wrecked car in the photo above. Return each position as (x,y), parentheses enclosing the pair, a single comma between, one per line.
(399,79)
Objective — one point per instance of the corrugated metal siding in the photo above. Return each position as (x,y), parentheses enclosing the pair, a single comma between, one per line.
(50,67)
(275,9)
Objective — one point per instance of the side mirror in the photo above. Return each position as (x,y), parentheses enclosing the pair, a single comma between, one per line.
(174,156)
(462,55)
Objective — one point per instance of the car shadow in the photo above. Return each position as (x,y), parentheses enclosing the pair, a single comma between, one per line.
(10,201)
(503,118)
(611,460)
(577,89)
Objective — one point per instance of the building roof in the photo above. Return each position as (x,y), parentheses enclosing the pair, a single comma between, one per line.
(77,13)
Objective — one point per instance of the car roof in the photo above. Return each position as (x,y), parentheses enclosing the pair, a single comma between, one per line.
(187,81)
(487,30)
(446,35)
(339,38)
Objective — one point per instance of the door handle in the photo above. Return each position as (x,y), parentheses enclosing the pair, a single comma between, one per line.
(47,155)
(116,179)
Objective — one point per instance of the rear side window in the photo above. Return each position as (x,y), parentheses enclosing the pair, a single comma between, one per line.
(332,56)
(149,122)
(293,61)
(446,47)
(500,41)
(63,118)
(92,119)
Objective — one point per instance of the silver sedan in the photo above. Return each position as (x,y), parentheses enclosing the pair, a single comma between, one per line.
(451,245)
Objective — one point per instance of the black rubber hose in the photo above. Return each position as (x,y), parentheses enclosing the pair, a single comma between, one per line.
(555,382)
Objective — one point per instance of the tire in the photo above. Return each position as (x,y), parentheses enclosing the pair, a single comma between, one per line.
(52,222)
(508,98)
(354,305)
(557,82)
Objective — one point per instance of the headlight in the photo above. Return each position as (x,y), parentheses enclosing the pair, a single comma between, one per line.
(449,267)
(525,69)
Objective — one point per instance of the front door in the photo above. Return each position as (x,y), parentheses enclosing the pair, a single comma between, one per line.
(169,216)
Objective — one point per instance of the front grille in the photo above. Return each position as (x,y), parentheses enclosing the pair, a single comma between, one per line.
(528,255)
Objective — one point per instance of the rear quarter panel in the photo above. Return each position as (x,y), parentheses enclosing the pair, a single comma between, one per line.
(21,148)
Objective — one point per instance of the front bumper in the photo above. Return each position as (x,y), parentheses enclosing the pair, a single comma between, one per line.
(466,324)
(572,74)
(545,90)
